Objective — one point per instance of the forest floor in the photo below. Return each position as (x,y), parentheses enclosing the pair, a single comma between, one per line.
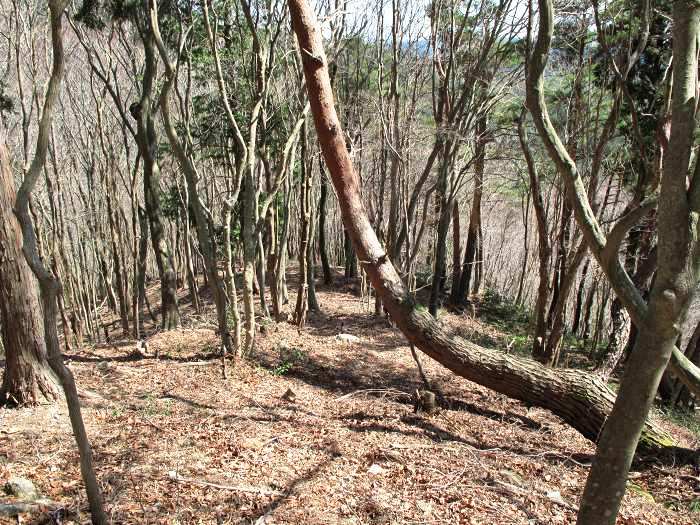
(313,430)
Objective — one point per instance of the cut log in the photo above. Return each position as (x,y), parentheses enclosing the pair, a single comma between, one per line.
(581,399)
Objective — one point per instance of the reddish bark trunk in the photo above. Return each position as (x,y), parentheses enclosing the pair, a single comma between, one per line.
(28,379)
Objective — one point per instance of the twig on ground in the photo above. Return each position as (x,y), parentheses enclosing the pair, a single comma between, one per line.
(174,476)
(558,456)
(388,391)
(685,477)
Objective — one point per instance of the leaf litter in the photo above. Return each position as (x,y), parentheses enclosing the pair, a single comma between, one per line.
(311,430)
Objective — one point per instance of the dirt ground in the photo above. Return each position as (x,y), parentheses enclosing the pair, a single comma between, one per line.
(311,430)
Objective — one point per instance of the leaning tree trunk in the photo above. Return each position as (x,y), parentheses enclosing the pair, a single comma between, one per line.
(28,378)
(579,398)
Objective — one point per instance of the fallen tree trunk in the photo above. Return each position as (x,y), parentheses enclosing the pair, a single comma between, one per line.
(581,399)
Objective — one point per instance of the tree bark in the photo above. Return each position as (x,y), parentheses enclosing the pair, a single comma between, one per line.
(552,350)
(456,255)
(322,206)
(349,256)
(250,241)
(139,297)
(526,247)
(443,212)
(472,256)
(578,307)
(28,378)
(304,236)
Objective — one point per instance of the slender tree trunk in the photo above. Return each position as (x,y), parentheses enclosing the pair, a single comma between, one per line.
(544,250)
(231,291)
(526,250)
(140,269)
(553,347)
(472,257)
(311,282)
(147,141)
(322,206)
(587,312)
(189,263)
(250,242)
(394,105)
(617,339)
(273,265)
(106,275)
(456,255)
(282,248)
(349,256)
(262,274)
(578,307)
(304,236)
(620,325)
(310,255)
(249,218)
(443,213)
(561,269)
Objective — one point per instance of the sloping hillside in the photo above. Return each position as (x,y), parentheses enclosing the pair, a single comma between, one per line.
(315,428)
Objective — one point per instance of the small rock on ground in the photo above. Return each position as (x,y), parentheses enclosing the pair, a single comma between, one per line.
(347,338)
(21,488)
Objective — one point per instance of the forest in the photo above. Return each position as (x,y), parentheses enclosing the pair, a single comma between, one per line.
(349,261)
